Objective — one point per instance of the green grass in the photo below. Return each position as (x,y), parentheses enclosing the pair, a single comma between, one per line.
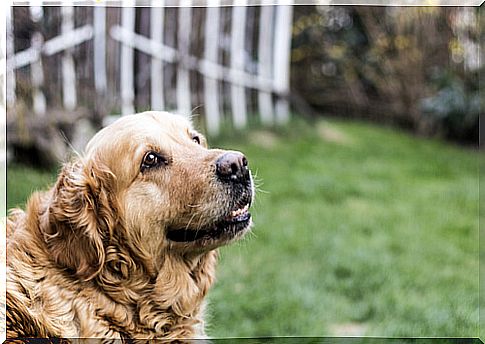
(23,180)
(358,230)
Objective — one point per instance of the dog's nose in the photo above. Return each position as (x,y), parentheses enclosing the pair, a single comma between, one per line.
(232,166)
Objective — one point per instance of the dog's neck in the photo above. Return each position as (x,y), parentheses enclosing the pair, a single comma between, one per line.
(183,281)
(171,299)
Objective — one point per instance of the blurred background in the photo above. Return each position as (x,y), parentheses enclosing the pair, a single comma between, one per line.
(360,124)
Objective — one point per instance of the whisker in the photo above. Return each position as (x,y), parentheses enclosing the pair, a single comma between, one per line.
(199,227)
(259,190)
(192,113)
(68,142)
(190,221)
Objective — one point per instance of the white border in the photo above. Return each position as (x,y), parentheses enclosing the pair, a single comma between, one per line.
(5,5)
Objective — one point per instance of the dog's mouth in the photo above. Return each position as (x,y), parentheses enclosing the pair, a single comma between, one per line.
(232,225)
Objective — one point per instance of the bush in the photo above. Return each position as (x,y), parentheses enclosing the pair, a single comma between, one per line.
(455,108)
(416,68)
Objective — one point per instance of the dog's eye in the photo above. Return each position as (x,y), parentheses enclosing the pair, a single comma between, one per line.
(196,139)
(152,159)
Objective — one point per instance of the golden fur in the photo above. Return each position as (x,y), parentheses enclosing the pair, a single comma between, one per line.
(90,258)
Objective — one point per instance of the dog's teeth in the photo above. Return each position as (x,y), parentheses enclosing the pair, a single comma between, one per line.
(240,211)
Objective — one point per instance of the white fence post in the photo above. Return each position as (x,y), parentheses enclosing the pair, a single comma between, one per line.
(36,70)
(183,46)
(127,60)
(265,50)
(36,10)
(238,93)
(281,72)
(99,43)
(68,69)
(211,54)
(37,75)
(156,31)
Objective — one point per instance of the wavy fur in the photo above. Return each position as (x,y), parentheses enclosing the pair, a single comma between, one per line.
(82,259)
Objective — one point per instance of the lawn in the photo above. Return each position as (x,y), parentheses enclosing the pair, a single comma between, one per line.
(359,230)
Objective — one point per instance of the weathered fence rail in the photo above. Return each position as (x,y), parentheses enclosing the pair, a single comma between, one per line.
(207,57)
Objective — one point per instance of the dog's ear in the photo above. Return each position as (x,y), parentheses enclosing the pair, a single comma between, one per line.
(80,217)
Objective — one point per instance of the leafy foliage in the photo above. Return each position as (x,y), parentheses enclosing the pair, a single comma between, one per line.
(455,108)
(381,64)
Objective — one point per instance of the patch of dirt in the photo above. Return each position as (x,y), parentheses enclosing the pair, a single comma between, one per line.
(358,204)
(331,134)
(348,329)
(264,138)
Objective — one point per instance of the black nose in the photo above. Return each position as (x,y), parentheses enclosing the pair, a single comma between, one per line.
(232,166)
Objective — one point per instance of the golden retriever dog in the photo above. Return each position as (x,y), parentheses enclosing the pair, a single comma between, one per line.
(124,245)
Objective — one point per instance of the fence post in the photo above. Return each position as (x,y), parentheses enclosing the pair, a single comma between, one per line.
(36,70)
(238,93)
(36,10)
(265,49)
(68,69)
(211,54)
(183,46)
(156,31)
(281,72)
(100,73)
(99,23)
(127,59)
(37,75)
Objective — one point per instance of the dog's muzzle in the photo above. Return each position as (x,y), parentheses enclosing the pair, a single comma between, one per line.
(232,170)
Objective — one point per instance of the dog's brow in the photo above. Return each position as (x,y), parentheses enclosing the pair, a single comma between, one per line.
(156,148)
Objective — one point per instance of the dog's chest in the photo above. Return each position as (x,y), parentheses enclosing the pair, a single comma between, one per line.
(88,314)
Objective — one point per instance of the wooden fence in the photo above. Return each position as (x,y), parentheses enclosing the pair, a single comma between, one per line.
(225,63)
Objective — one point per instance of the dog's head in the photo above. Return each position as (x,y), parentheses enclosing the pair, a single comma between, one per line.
(151,176)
